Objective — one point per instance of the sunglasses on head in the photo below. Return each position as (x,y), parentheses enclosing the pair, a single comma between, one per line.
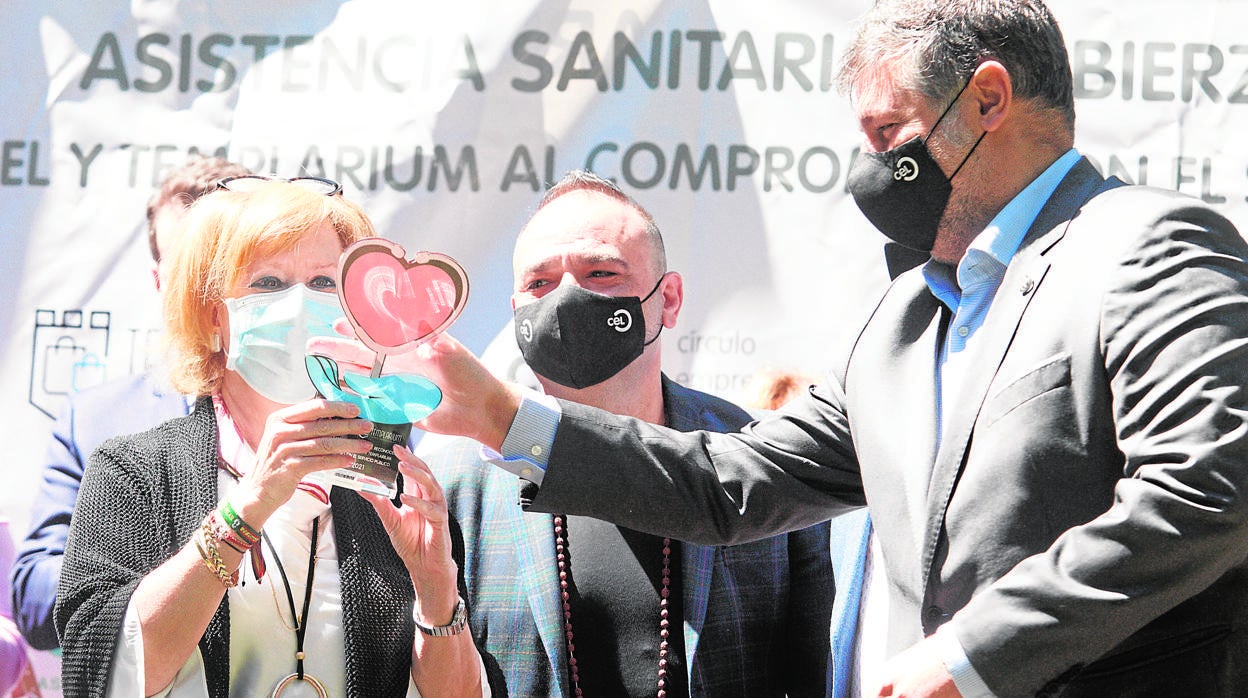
(246,183)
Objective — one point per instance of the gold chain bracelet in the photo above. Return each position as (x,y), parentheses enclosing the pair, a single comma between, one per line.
(206,543)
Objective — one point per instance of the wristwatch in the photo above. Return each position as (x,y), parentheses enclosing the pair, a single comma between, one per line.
(459,621)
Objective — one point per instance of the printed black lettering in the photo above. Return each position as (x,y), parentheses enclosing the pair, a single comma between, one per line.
(472,72)
(804,167)
(825,69)
(1089,63)
(1198,72)
(350,160)
(10,160)
(467,165)
(136,150)
(164,71)
(673,60)
(33,178)
(1239,93)
(520,51)
(626,51)
(84,161)
(683,161)
(583,42)
(105,49)
(222,69)
(704,40)
(520,170)
(777,162)
(184,63)
(313,164)
(1206,184)
(1118,168)
(260,44)
(592,157)
(410,183)
(753,69)
(659,166)
(159,166)
(1128,70)
(1153,70)
(792,65)
(1180,175)
(742,162)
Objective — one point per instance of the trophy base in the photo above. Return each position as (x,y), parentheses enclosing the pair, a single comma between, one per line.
(352,480)
(376,471)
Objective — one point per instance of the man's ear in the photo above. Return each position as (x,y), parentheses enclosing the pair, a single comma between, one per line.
(673,289)
(993,94)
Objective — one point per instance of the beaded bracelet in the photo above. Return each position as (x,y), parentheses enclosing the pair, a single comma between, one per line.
(223,533)
(206,543)
(249,535)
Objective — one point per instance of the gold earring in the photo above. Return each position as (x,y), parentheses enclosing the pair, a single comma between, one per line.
(215,344)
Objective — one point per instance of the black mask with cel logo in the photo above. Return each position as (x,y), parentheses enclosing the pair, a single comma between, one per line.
(578,338)
(903,192)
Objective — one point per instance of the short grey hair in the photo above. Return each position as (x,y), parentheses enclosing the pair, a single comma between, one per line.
(938,44)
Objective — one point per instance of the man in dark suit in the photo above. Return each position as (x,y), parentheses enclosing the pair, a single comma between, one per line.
(755,616)
(122,406)
(1049,419)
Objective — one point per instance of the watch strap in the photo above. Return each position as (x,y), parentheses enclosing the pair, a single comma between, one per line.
(459,621)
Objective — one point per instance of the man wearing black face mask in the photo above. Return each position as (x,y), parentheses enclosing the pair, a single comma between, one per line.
(904,191)
(642,614)
(1048,420)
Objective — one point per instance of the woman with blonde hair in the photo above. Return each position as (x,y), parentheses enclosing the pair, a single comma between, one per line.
(155,597)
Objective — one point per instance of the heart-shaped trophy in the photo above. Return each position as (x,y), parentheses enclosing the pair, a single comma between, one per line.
(394,304)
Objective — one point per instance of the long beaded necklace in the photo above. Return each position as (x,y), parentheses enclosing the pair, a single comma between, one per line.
(561,558)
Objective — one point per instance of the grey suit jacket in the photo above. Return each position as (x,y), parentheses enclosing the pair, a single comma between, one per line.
(756,615)
(1083,525)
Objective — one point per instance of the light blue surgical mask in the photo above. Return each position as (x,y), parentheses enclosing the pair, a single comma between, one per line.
(269,333)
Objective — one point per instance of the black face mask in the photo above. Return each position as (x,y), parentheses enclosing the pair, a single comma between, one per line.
(903,192)
(579,338)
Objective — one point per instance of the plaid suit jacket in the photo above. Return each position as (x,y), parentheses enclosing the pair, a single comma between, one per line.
(756,615)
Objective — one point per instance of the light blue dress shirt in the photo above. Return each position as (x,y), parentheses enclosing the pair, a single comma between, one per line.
(967,290)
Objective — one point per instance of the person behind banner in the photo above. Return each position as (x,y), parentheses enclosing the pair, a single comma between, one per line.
(755,616)
(1048,419)
(153,594)
(92,416)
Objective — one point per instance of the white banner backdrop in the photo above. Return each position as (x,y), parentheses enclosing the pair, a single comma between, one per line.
(444,121)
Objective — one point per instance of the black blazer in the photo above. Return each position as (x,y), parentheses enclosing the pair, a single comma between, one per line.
(142,498)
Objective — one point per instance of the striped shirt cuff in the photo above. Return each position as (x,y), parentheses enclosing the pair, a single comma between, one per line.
(526,448)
